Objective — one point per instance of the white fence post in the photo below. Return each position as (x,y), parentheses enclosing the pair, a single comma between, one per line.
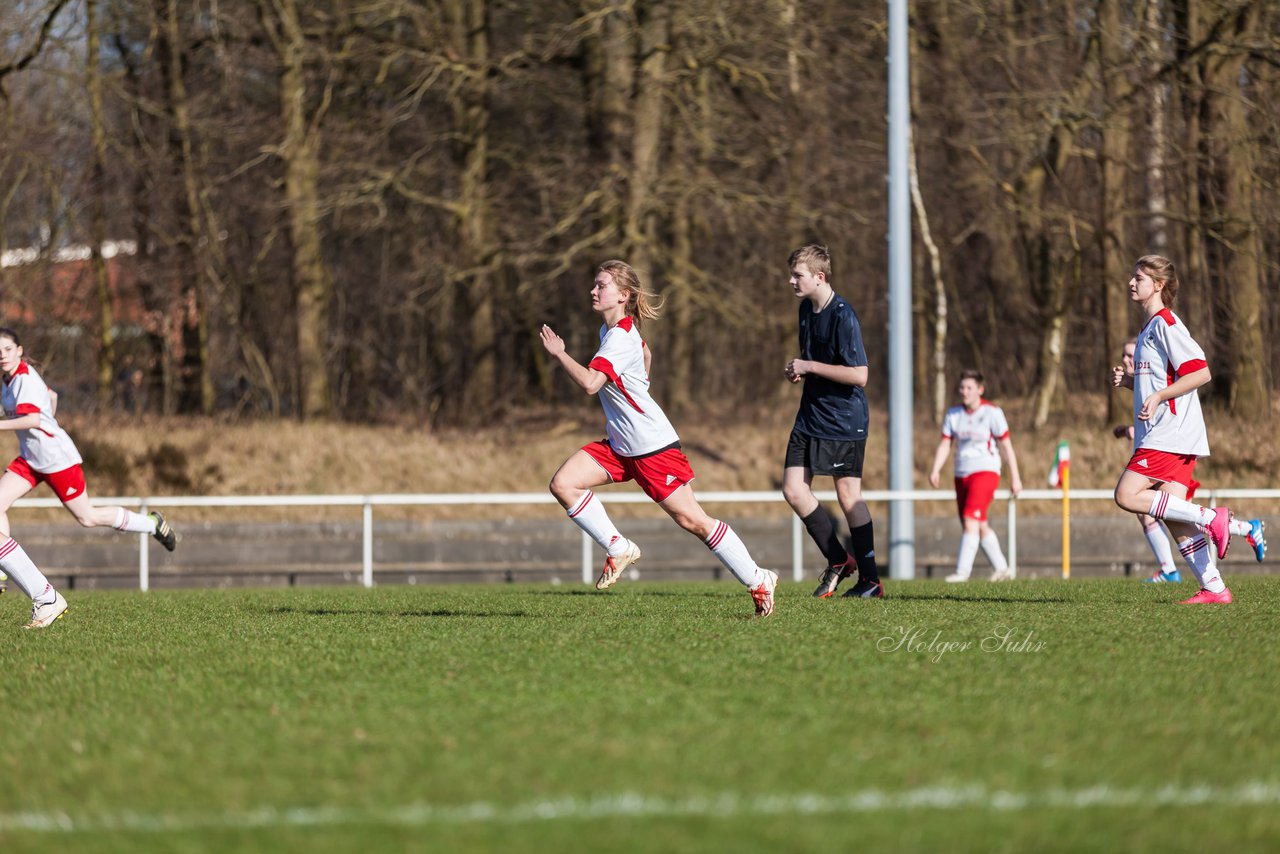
(367,543)
(1013,534)
(144,556)
(586,558)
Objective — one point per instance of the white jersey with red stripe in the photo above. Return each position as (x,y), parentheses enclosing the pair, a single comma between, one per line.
(46,448)
(634,423)
(976,436)
(1165,352)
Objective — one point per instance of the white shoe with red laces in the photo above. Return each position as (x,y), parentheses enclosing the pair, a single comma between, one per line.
(763,594)
(615,566)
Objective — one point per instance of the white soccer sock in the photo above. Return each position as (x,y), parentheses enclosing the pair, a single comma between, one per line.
(730,551)
(968,551)
(589,515)
(127,520)
(1159,546)
(1240,528)
(24,573)
(1196,552)
(1166,506)
(991,548)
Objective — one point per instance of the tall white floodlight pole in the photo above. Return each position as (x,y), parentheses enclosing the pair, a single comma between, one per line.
(902,534)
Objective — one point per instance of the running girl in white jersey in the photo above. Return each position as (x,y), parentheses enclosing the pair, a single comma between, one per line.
(47,454)
(1169,433)
(980,432)
(641,444)
(1166,571)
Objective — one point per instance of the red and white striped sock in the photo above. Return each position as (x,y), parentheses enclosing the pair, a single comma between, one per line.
(127,520)
(730,551)
(1166,506)
(1197,554)
(23,571)
(589,515)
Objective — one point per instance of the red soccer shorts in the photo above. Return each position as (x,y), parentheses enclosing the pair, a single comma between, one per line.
(975,492)
(66,484)
(1165,466)
(658,475)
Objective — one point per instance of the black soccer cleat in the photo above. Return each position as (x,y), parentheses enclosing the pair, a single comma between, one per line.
(164,532)
(865,589)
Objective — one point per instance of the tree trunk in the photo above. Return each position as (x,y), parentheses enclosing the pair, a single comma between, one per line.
(1227,194)
(477,284)
(1120,319)
(300,150)
(1155,135)
(646,153)
(97,215)
(196,394)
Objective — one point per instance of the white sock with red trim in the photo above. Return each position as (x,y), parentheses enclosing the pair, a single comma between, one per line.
(127,520)
(730,551)
(968,551)
(991,548)
(1199,557)
(1166,506)
(19,567)
(1240,528)
(1159,546)
(589,515)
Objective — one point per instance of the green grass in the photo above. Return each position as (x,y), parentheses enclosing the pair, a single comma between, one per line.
(197,720)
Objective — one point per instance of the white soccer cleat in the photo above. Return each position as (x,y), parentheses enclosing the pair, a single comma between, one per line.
(763,594)
(615,566)
(42,616)
(1002,575)
(957,577)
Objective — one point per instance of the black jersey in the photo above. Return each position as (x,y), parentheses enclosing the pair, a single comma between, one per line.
(832,410)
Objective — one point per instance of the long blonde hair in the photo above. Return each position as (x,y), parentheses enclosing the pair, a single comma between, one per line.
(642,303)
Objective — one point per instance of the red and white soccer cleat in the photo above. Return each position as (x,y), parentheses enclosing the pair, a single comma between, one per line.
(763,594)
(614,567)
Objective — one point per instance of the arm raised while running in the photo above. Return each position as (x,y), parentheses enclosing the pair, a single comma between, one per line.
(588,379)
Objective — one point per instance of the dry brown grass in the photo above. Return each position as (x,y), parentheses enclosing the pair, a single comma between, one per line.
(730,450)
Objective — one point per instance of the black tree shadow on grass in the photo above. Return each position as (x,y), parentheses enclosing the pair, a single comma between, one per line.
(625,592)
(357,612)
(947,597)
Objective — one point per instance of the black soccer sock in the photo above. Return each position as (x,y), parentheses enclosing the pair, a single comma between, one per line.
(818,524)
(864,552)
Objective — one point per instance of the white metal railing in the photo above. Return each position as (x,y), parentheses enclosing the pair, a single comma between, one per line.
(368,502)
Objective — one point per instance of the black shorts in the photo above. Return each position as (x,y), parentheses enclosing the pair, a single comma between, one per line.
(825,456)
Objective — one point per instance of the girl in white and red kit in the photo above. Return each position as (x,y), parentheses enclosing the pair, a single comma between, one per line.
(1169,434)
(46,453)
(641,444)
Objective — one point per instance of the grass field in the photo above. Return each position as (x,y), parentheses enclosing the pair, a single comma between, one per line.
(1080,716)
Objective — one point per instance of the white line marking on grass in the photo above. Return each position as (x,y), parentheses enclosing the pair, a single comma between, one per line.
(635,805)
